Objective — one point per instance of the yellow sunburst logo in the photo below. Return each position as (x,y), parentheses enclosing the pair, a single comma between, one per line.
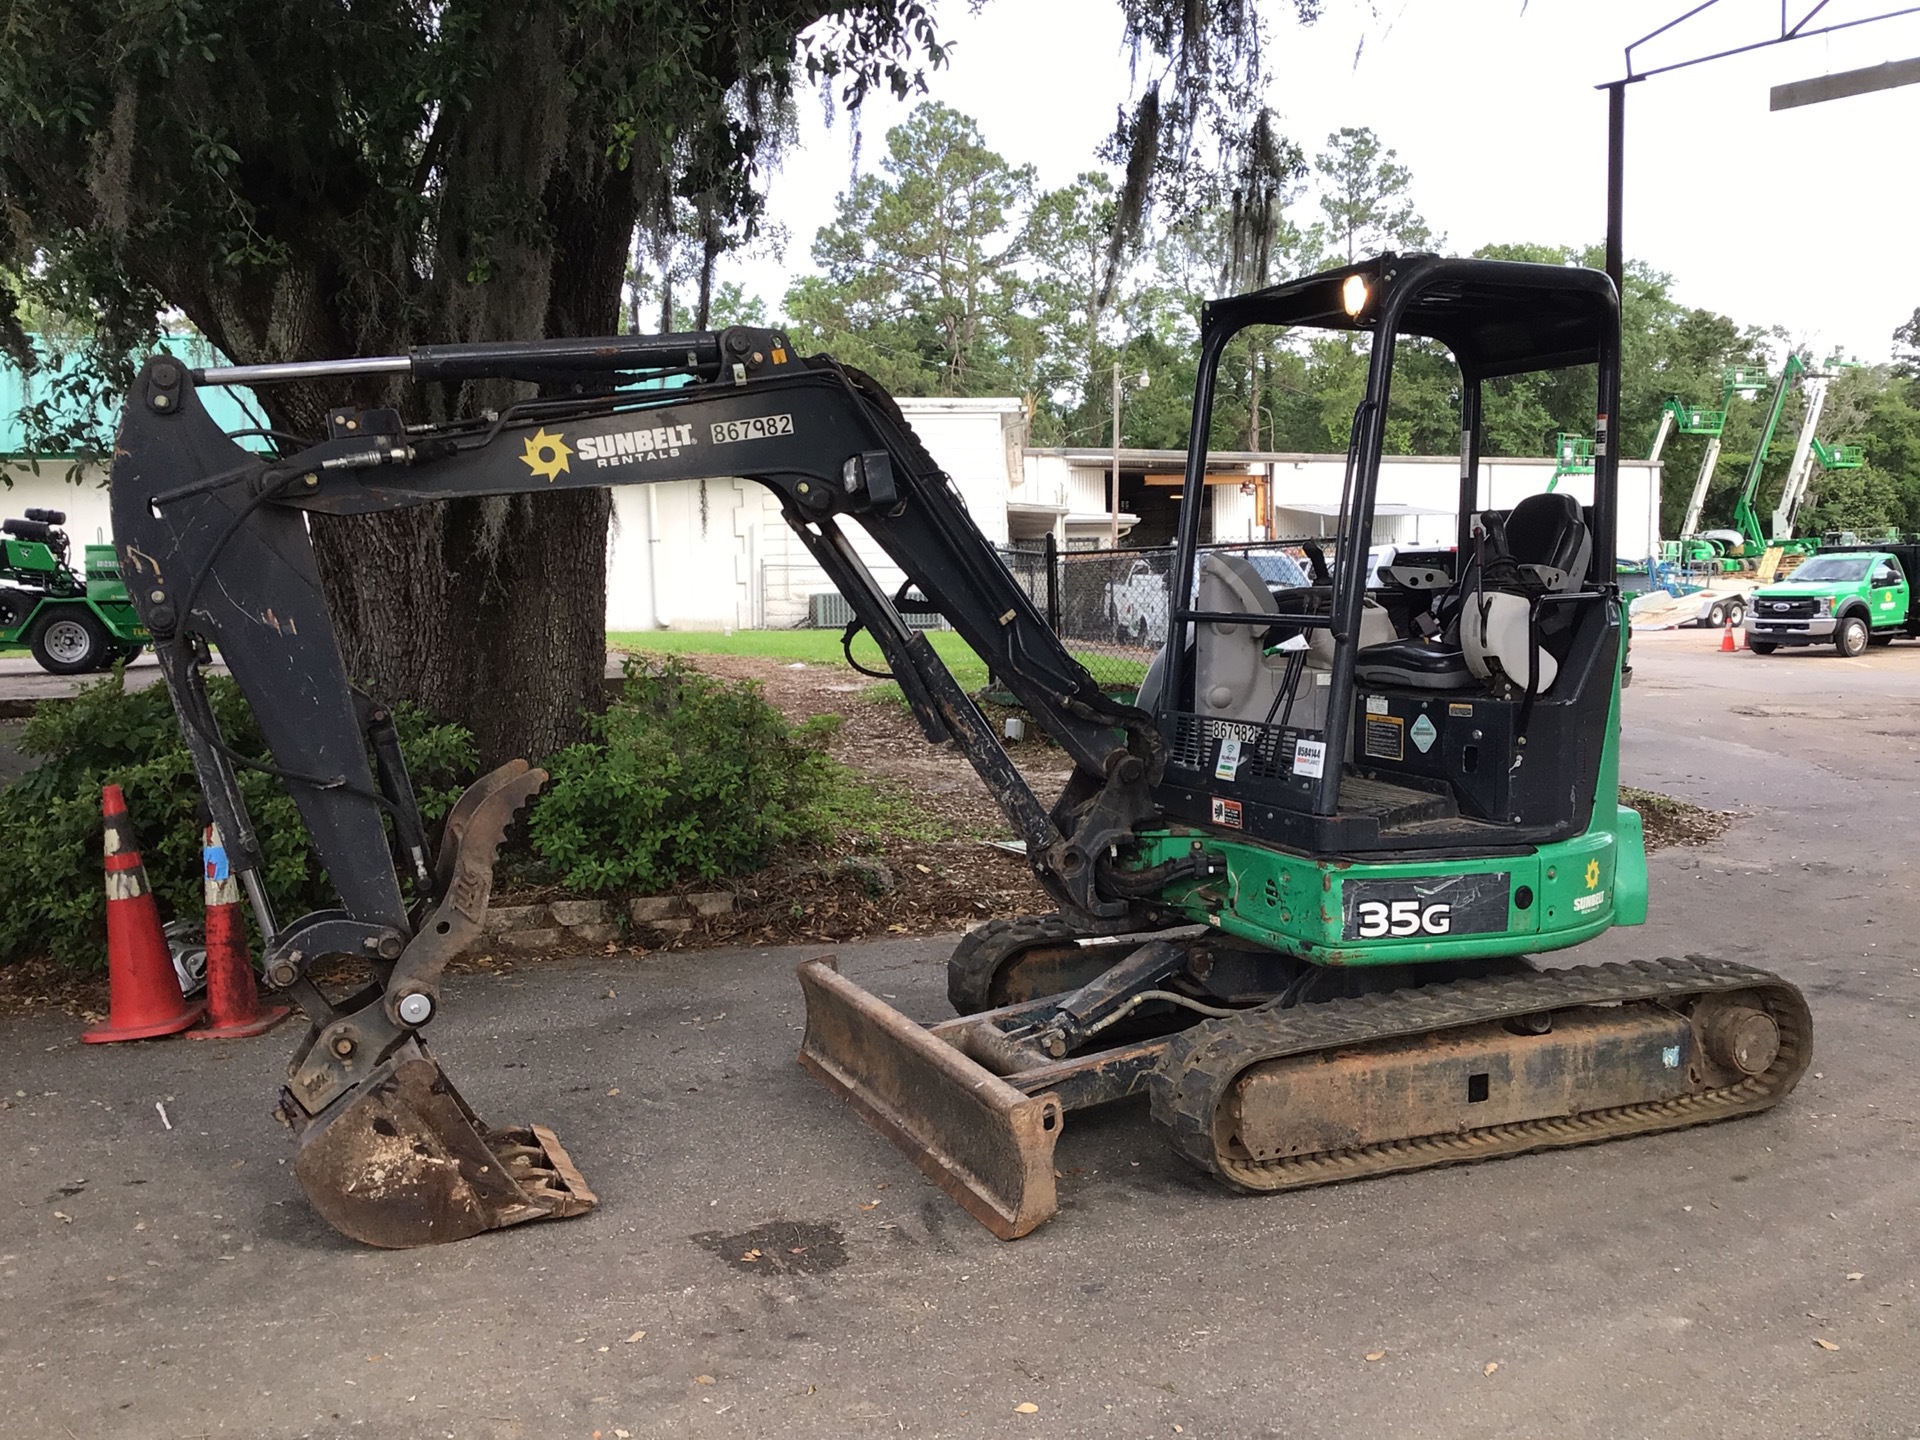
(1593,873)
(547,455)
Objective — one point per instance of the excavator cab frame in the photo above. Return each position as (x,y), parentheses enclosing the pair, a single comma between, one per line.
(1305,939)
(1497,319)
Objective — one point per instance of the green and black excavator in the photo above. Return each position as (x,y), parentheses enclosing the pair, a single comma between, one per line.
(1302,885)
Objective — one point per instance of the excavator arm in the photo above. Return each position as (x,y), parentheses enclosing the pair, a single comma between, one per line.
(215,550)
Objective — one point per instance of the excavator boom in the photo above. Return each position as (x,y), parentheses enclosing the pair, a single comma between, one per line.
(215,547)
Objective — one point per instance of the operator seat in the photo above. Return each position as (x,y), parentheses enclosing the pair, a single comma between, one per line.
(1543,546)
(1235,676)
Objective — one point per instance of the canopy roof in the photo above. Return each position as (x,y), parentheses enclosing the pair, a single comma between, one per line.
(1498,317)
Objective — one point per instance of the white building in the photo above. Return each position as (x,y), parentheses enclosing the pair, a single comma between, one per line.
(1268,496)
(720,556)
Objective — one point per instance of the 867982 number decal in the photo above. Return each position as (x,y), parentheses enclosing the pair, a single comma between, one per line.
(1425,907)
(758,427)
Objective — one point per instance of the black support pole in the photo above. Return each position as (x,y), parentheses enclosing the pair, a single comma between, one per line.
(1616,178)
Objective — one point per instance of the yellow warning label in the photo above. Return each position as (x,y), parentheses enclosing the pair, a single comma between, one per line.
(1386,737)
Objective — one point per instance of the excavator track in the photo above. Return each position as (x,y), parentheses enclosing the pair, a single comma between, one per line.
(1202,1091)
(987,950)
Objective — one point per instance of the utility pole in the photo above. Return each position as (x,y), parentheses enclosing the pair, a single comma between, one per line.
(1113,540)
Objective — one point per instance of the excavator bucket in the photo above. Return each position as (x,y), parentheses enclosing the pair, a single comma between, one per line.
(985,1143)
(402,1161)
(398,1159)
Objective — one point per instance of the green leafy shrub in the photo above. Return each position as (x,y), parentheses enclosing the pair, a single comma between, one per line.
(52,894)
(685,776)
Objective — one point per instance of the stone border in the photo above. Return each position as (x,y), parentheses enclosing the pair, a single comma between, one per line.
(561,923)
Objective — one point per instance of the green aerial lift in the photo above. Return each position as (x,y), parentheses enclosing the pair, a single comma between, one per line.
(1838,457)
(1693,420)
(1815,381)
(1809,449)
(1572,455)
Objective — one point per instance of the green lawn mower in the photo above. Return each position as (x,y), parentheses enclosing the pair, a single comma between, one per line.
(72,624)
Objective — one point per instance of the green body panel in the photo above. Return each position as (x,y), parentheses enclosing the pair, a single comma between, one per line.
(33,564)
(1629,868)
(119,618)
(31,556)
(1295,903)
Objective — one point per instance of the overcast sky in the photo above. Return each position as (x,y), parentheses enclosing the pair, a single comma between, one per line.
(1806,219)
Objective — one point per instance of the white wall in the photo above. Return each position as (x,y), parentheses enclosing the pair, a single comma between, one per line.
(87,504)
(744,568)
(1431,482)
(1236,516)
(981,444)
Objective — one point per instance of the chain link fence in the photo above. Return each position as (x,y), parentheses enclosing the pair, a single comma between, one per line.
(1111,607)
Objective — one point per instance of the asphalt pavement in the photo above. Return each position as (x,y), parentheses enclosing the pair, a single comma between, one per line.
(161,1281)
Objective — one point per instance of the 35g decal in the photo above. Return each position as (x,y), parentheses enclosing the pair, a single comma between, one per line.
(1425,907)
(1402,918)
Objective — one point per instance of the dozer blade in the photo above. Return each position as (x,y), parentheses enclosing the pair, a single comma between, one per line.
(401,1161)
(985,1143)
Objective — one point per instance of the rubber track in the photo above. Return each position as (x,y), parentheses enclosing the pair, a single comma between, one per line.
(983,950)
(1189,1085)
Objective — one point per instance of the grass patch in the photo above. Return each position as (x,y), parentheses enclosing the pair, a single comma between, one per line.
(870,810)
(1115,674)
(815,647)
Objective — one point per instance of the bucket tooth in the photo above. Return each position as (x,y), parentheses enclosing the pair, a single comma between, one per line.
(989,1145)
(400,1161)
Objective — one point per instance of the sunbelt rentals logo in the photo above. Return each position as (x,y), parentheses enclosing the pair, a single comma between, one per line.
(631,447)
(1585,904)
(547,455)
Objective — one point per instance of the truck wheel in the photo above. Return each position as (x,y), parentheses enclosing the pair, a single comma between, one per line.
(69,642)
(1716,617)
(113,654)
(1851,638)
(1762,647)
(1736,614)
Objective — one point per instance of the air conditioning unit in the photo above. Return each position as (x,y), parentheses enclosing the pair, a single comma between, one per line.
(829,610)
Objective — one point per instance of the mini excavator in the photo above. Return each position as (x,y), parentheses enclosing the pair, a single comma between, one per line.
(1301,884)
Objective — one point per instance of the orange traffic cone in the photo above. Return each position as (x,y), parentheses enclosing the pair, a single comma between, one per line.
(1727,647)
(146,998)
(234,1010)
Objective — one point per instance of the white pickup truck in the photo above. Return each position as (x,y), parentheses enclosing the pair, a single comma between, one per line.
(1139,603)
(1138,599)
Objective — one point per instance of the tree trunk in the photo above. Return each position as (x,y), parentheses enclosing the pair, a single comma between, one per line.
(492,611)
(443,605)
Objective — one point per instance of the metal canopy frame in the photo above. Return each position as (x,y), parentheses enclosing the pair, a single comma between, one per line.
(1617,93)
(1788,33)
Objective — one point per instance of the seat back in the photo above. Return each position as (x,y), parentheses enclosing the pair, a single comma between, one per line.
(1547,531)
(1543,544)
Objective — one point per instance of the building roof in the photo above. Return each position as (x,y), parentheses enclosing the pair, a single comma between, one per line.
(231,408)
